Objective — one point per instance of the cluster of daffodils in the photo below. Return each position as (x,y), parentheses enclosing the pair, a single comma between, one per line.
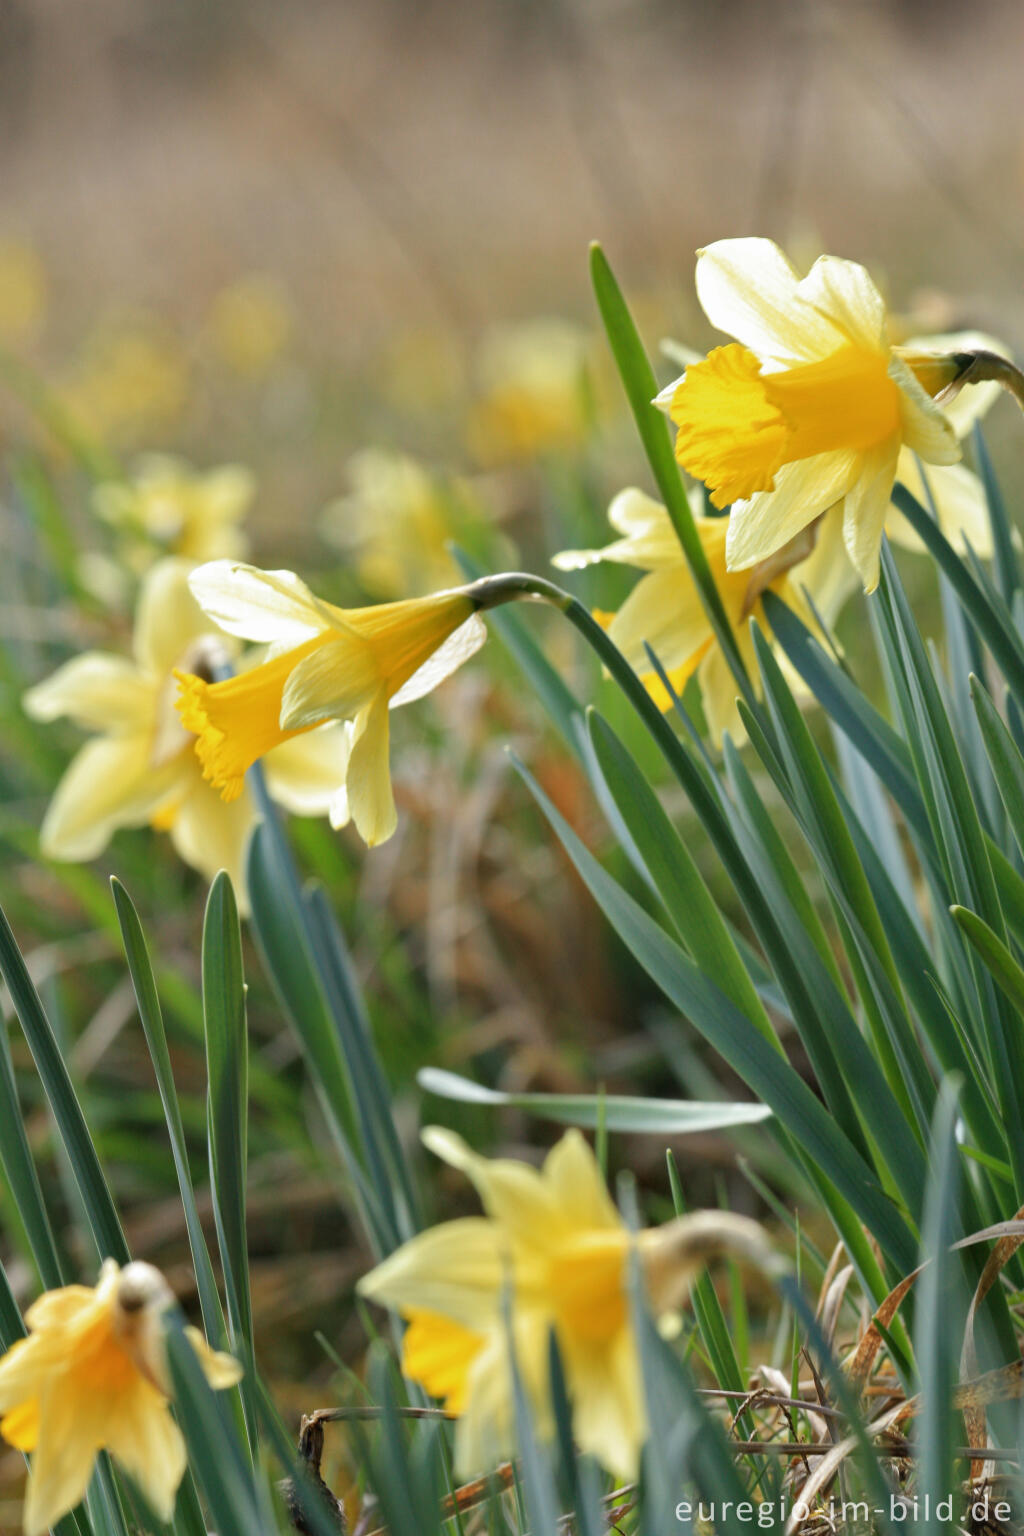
(551,1256)
(91,1375)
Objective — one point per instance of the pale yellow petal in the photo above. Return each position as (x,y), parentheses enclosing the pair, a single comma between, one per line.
(516,1196)
(142,1435)
(578,1186)
(718,692)
(211,834)
(649,540)
(304,773)
(455,1269)
(69,1438)
(926,428)
(168,619)
(220,1369)
(749,289)
(486,1433)
(960,504)
(371,799)
(865,509)
(98,692)
(845,293)
(664,610)
(109,784)
(608,1413)
(335,681)
(258,605)
(803,490)
(448,658)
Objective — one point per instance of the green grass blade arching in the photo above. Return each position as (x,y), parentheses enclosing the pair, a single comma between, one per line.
(151,1015)
(67,1112)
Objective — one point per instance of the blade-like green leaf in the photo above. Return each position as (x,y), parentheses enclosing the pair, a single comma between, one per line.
(669,1117)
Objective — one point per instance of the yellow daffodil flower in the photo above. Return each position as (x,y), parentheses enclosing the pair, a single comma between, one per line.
(553,1244)
(133,380)
(664,609)
(190,512)
(809,406)
(250,323)
(395,521)
(91,1376)
(141,768)
(533,380)
(327,663)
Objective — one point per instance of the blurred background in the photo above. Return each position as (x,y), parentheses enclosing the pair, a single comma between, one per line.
(283,235)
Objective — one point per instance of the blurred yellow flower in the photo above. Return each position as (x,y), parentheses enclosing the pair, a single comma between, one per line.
(91,1376)
(191,512)
(140,768)
(553,1242)
(327,663)
(250,324)
(664,609)
(395,521)
(533,391)
(133,380)
(23,292)
(809,406)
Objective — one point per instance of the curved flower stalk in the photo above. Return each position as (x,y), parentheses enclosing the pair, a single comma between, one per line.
(810,406)
(140,767)
(553,1243)
(327,663)
(193,513)
(665,611)
(92,1376)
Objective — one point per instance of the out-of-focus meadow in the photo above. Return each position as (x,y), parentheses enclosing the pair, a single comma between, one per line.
(345,248)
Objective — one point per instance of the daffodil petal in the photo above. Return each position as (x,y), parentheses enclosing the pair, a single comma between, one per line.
(456,1269)
(109,784)
(62,1462)
(98,692)
(803,490)
(514,1195)
(303,774)
(210,834)
(749,289)
(609,1418)
(448,658)
(844,293)
(147,1443)
(865,509)
(827,573)
(649,541)
(664,610)
(926,429)
(336,680)
(258,605)
(371,799)
(577,1184)
(168,618)
(718,694)
(220,1369)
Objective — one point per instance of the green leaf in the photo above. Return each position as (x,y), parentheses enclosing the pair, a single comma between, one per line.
(67,1112)
(227,1067)
(1004,757)
(150,1013)
(997,957)
(21,1176)
(938,1319)
(670,1117)
(760,1066)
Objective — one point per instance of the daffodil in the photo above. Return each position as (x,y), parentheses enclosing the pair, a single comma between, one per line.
(553,1246)
(327,663)
(664,609)
(809,406)
(395,521)
(140,767)
(91,1376)
(249,324)
(132,380)
(533,390)
(190,512)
